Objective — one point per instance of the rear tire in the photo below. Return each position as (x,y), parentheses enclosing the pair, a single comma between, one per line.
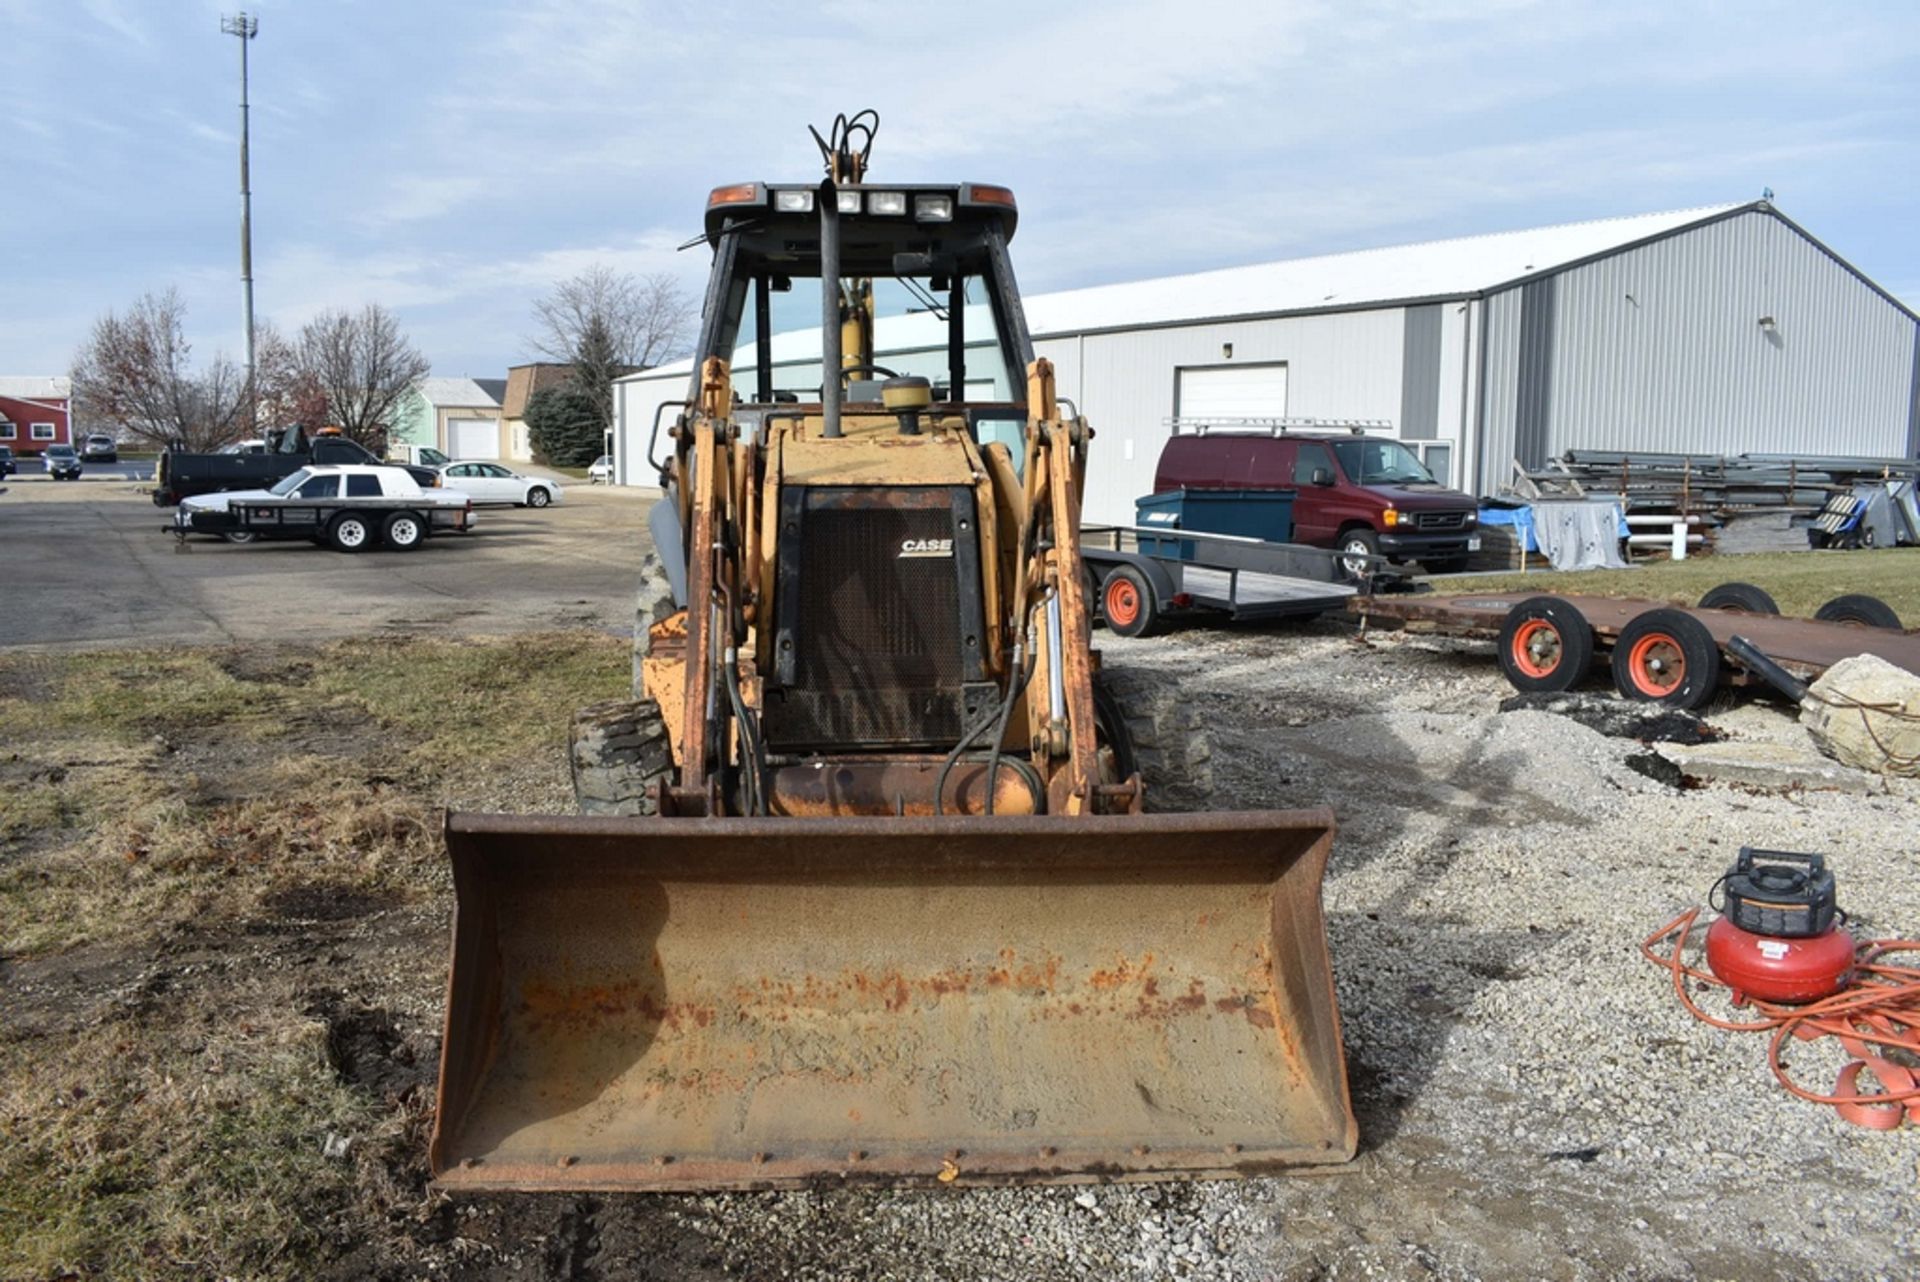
(350,532)
(241,537)
(1744,597)
(404,531)
(1127,604)
(1154,730)
(654,603)
(617,751)
(1861,609)
(1667,656)
(1545,646)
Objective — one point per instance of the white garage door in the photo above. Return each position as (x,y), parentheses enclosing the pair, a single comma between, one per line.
(473,438)
(1236,391)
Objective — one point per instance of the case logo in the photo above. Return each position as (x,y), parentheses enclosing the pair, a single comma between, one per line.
(926,547)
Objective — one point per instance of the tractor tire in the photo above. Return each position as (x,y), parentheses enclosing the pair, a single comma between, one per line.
(1744,597)
(617,751)
(1154,730)
(1127,604)
(1667,656)
(1545,646)
(654,603)
(1861,609)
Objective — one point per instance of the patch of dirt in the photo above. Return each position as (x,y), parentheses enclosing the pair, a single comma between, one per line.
(266,665)
(323,901)
(367,1049)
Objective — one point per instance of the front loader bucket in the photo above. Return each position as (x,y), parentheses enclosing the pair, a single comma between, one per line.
(749,1003)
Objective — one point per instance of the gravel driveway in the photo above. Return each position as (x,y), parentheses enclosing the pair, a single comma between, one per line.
(1533,1103)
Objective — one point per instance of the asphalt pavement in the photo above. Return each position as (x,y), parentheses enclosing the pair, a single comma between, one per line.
(94,564)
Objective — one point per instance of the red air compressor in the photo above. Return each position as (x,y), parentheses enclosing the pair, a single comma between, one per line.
(1777,938)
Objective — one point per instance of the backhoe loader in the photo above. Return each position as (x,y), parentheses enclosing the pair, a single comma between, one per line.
(870,888)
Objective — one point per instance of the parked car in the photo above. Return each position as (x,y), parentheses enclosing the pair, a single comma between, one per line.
(347,507)
(100,448)
(417,455)
(7,464)
(1365,495)
(601,472)
(492,483)
(61,462)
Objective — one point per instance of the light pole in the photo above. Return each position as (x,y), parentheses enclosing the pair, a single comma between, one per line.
(246,26)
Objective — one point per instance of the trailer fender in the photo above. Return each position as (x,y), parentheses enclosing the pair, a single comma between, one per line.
(1103,559)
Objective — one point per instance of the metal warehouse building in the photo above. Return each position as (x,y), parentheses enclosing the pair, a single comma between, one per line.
(1719,330)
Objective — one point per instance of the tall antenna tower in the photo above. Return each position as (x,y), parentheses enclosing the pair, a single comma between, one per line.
(246,26)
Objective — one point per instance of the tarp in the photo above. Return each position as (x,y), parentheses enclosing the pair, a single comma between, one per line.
(1580,534)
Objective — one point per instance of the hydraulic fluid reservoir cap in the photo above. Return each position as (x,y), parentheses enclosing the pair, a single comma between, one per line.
(908,392)
(1781,893)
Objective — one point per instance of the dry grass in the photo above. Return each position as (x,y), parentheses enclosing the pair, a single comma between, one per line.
(157,803)
(1801,582)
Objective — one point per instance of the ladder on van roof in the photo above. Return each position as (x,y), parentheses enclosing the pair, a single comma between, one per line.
(1178,424)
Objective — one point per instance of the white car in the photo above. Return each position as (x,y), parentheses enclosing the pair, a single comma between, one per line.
(492,483)
(601,473)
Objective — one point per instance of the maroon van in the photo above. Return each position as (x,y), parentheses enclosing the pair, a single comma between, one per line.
(1361,494)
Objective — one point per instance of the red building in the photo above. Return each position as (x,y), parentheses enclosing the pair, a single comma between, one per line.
(34,413)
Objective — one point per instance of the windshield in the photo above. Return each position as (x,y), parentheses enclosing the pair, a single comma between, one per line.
(288,484)
(1380,463)
(59,451)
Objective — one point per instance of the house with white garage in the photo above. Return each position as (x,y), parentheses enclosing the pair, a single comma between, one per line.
(458,416)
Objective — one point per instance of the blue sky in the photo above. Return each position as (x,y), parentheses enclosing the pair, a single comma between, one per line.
(453,158)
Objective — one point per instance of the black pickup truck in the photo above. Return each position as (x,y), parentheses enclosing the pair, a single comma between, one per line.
(182,475)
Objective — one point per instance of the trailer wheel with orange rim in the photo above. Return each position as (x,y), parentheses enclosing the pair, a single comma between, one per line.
(1127,604)
(1667,656)
(1546,645)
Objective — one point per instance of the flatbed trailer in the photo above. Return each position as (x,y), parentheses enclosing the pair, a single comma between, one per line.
(382,519)
(1804,647)
(1244,578)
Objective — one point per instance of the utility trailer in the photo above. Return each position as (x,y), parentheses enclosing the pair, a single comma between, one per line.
(1656,651)
(1143,573)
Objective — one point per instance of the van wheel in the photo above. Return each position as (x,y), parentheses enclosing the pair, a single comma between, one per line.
(1355,544)
(349,532)
(403,532)
(1126,602)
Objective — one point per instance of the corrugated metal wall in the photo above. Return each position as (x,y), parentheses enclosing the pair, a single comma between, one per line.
(1339,365)
(1662,348)
(1499,391)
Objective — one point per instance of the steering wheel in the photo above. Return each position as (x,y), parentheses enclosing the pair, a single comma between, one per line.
(866,369)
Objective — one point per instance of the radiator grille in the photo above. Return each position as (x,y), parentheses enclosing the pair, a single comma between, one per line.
(874,618)
(1439,520)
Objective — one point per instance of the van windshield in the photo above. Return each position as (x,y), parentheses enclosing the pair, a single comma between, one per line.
(1380,463)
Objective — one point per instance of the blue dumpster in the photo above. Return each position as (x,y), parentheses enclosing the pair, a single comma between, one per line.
(1251,514)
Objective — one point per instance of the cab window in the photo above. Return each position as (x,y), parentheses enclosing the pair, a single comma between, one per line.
(363,485)
(1312,458)
(319,487)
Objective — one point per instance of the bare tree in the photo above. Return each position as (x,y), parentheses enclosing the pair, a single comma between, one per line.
(363,365)
(607,323)
(135,371)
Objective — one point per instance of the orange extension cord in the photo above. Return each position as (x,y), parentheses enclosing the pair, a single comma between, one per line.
(1878,1011)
